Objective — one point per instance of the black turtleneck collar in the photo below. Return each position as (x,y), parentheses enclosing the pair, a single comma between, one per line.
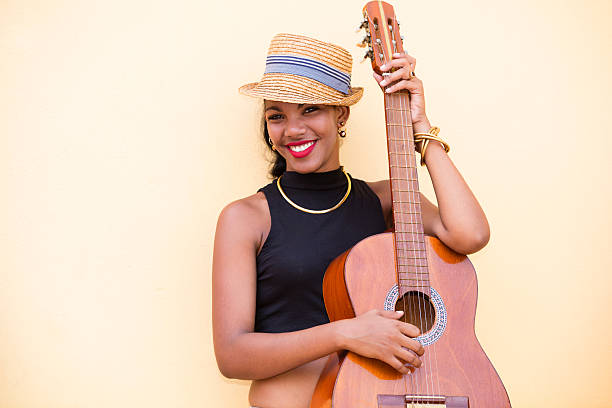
(326,180)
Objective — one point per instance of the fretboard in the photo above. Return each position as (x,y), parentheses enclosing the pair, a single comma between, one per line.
(410,252)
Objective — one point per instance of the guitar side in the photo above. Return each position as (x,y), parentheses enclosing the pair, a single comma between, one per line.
(454,364)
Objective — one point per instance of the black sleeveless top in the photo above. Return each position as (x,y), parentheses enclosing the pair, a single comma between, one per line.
(300,246)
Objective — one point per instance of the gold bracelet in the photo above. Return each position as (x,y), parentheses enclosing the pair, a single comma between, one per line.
(424,138)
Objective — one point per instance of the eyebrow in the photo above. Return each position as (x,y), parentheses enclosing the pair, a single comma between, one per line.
(278,109)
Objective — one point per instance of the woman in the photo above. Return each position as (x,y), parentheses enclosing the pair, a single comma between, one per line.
(272,248)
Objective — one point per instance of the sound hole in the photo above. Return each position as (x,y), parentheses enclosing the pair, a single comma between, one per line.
(418,310)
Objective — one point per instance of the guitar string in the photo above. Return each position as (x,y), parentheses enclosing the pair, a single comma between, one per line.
(428,370)
(392,119)
(393,99)
(397,166)
(420,238)
(414,230)
(399,98)
(396,161)
(432,349)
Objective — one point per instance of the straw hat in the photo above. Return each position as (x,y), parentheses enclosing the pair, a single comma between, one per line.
(304,70)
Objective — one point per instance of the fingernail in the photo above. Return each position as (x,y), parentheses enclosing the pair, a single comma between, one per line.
(399,311)
(388,90)
(383,82)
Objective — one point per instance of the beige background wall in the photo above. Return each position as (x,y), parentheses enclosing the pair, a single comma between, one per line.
(122,136)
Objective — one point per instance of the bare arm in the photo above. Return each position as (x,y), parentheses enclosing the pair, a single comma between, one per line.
(459,221)
(242,353)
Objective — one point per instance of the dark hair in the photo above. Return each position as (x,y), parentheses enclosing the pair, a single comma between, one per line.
(278,165)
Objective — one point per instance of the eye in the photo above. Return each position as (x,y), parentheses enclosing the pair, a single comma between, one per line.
(274,117)
(310,109)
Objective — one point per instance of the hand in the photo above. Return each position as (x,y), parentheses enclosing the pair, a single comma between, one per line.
(401,79)
(378,334)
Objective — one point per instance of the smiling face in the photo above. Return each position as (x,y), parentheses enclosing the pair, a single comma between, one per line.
(306,135)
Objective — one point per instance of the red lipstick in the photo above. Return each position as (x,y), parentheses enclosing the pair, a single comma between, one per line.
(302,153)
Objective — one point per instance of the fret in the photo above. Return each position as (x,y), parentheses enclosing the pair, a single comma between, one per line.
(406,202)
(405,191)
(413,257)
(394,139)
(406,212)
(397,124)
(407,240)
(402,167)
(419,286)
(407,223)
(410,155)
(412,265)
(414,273)
(398,110)
(403,179)
(404,233)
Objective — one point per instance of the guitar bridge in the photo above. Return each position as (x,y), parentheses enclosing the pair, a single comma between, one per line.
(422,401)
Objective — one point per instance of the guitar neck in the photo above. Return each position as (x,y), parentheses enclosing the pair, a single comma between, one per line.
(410,252)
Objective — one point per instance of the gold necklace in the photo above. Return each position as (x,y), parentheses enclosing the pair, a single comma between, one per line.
(315,211)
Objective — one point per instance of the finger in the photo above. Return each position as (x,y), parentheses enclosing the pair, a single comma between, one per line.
(378,78)
(403,73)
(391,314)
(409,330)
(410,58)
(399,62)
(403,54)
(413,345)
(395,63)
(414,85)
(408,356)
(397,364)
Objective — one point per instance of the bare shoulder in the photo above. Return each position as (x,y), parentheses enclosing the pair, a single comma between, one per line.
(254,205)
(246,219)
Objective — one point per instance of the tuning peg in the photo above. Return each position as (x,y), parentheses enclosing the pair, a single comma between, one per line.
(363,25)
(364,42)
(369,54)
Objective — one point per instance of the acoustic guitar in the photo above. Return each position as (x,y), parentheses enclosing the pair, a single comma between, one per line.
(406,270)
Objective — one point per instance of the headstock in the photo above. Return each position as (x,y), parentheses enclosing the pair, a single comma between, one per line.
(382,33)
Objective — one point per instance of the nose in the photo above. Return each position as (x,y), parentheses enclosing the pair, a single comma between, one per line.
(295,127)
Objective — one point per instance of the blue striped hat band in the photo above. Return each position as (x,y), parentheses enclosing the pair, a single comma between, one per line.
(309,68)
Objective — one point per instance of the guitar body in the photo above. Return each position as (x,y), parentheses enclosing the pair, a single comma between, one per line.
(455,368)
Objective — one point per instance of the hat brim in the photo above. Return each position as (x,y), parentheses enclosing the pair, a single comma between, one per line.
(298,89)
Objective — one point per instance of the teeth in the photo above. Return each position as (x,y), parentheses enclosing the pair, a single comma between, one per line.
(301,148)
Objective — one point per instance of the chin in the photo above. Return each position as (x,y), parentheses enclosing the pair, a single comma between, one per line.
(311,164)
(306,167)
